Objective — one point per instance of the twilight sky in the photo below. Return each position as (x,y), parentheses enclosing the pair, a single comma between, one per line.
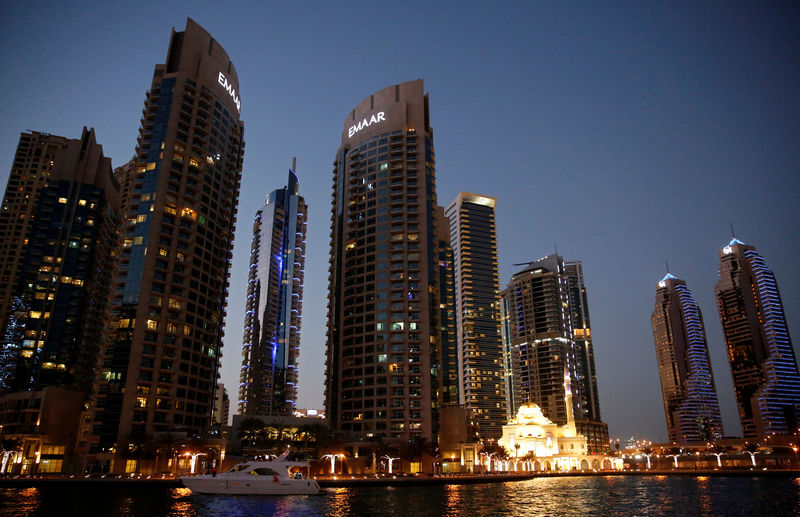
(626,135)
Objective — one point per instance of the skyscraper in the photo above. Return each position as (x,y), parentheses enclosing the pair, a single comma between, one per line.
(383,370)
(180,193)
(760,353)
(541,338)
(59,231)
(473,239)
(687,382)
(59,295)
(268,379)
(586,387)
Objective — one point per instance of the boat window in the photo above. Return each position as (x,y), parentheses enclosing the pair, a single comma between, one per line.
(239,467)
(263,471)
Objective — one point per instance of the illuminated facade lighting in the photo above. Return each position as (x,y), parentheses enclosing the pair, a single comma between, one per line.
(760,353)
(271,344)
(691,406)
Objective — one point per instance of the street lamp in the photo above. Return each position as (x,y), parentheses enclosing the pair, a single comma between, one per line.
(333,460)
(390,460)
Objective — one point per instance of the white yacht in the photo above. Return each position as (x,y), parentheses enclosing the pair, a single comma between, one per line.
(274,477)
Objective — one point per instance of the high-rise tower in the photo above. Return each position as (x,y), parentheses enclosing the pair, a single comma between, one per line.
(180,193)
(61,217)
(541,336)
(268,379)
(584,348)
(687,382)
(760,353)
(383,371)
(477,287)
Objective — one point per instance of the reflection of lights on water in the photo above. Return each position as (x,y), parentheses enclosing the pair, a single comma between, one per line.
(339,506)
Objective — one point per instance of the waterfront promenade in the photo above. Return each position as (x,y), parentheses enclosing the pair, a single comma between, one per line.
(397,480)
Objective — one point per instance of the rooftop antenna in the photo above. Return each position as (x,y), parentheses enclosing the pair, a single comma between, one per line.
(732,232)
(294,163)
(667,261)
(555,245)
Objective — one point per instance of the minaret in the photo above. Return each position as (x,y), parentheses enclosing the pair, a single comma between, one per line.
(570,425)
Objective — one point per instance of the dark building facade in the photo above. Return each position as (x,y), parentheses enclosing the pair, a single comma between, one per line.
(384,336)
(61,215)
(180,193)
(59,303)
(684,368)
(760,353)
(473,239)
(268,378)
(586,388)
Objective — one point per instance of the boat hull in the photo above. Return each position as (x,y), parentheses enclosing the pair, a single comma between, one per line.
(220,485)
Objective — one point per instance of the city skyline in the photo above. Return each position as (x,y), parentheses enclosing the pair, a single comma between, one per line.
(631,112)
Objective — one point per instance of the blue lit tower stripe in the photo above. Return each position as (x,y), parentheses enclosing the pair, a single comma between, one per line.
(691,406)
(268,378)
(762,360)
(781,381)
(700,406)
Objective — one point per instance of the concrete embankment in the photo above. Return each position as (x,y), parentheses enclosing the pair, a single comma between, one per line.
(348,481)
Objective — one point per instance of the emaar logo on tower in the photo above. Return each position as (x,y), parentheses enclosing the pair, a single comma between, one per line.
(223,81)
(378,117)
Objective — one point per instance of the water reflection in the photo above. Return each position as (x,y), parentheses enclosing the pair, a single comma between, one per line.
(634,495)
(453,500)
(340,504)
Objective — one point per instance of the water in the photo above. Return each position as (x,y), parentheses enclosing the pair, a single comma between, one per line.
(613,495)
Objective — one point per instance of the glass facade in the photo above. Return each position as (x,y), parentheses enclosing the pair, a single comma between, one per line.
(384,350)
(268,379)
(477,286)
(687,381)
(59,298)
(179,194)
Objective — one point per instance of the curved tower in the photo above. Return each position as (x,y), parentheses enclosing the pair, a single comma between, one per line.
(383,371)
(687,382)
(180,193)
(760,353)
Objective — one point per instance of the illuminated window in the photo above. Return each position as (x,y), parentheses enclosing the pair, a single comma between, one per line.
(188,212)
(36,315)
(194,162)
(152,325)
(141,218)
(62,200)
(151,166)
(174,304)
(82,202)
(163,252)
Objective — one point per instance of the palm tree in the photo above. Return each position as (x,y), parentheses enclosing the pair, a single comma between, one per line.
(250,430)
(752,450)
(168,444)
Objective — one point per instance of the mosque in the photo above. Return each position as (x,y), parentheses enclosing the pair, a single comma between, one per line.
(535,443)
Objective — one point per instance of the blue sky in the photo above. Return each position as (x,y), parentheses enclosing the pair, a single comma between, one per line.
(626,134)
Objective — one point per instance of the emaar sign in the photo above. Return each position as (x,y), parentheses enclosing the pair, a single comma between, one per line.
(223,81)
(378,117)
